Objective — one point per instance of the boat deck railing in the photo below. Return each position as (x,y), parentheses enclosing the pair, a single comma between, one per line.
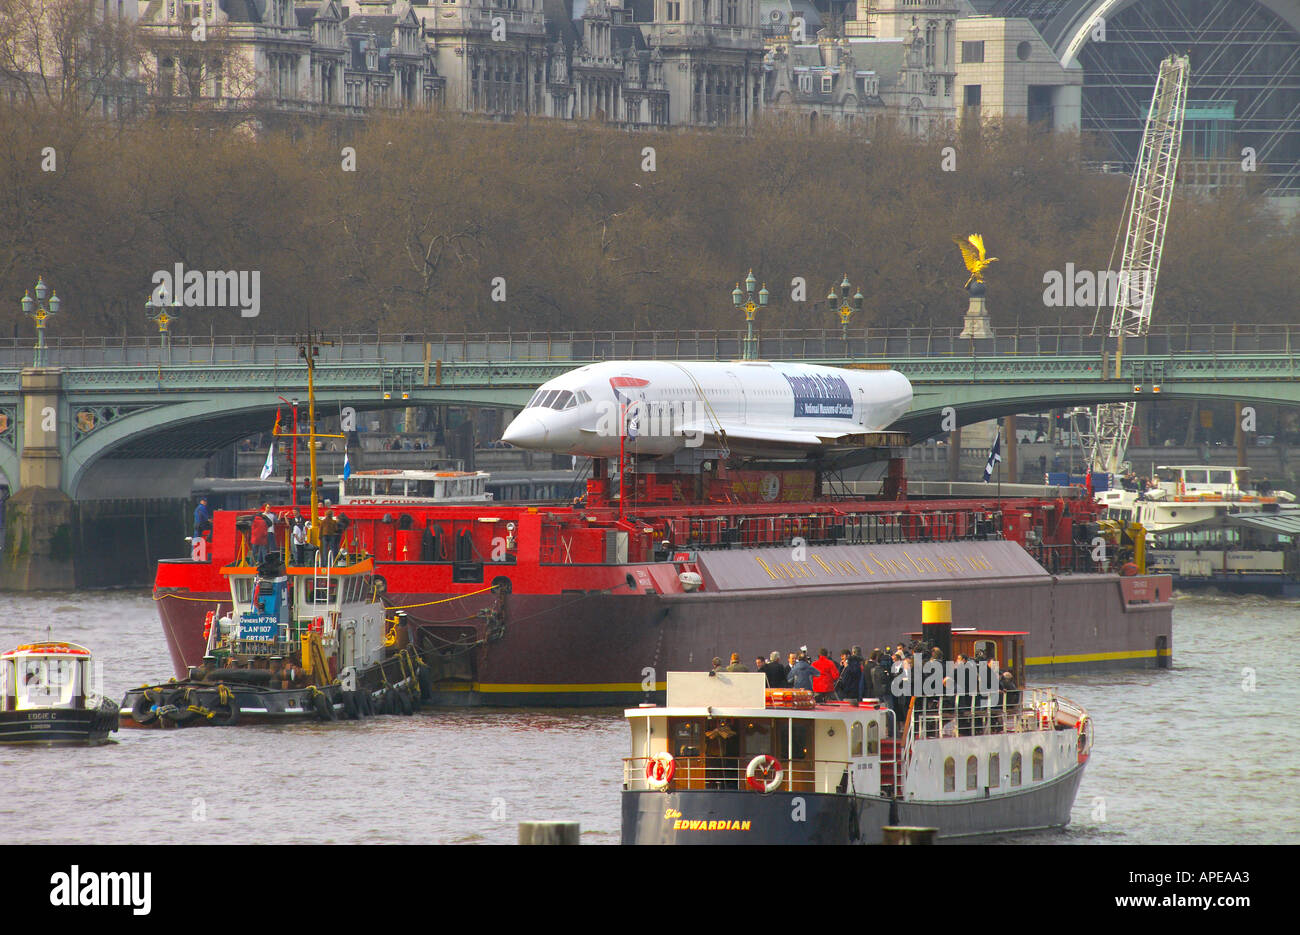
(1010,712)
(729,774)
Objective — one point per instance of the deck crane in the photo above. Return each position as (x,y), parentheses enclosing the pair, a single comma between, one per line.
(1148,214)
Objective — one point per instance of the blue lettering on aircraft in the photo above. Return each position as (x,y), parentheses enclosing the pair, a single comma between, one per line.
(820,397)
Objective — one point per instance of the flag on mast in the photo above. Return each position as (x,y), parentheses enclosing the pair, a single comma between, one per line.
(994,457)
(347,465)
(269,466)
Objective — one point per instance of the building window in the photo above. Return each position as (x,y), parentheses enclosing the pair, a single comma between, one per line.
(828,84)
(1015,768)
(674,14)
(973,95)
(733,12)
(805,83)
(995,770)
(972,53)
(949,775)
(1038,763)
(972,772)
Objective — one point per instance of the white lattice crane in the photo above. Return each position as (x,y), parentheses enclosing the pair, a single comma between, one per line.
(1148,215)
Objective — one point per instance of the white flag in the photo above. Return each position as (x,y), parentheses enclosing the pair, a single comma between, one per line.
(269,466)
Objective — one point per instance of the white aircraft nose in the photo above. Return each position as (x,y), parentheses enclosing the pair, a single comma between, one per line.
(525,431)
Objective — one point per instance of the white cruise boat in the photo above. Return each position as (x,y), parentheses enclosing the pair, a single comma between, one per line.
(727,761)
(1190,493)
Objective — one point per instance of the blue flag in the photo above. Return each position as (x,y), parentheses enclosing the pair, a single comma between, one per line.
(994,457)
(347,465)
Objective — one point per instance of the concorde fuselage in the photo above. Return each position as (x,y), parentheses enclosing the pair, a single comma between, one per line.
(750,407)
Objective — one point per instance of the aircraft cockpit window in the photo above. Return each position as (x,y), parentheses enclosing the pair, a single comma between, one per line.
(563,401)
(582,397)
(533,402)
(547,397)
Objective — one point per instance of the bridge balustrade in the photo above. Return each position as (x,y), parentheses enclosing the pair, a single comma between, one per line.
(774,344)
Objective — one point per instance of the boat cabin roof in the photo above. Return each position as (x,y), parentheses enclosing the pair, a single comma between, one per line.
(46,649)
(735,694)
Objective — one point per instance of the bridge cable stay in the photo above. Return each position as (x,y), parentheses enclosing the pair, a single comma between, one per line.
(1148,205)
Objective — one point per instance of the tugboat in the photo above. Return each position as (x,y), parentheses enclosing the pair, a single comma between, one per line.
(301,642)
(728,761)
(47,697)
(307,643)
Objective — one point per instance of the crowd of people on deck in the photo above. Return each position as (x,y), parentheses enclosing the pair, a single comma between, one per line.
(268,532)
(856,677)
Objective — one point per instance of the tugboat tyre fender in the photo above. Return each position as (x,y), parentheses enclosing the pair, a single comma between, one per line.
(404,701)
(142,711)
(426,683)
(350,706)
(321,703)
(225,715)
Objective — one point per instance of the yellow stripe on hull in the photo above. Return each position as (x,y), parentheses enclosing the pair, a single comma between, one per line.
(1097,657)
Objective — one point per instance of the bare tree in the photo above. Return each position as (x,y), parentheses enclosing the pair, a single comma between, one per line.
(67,55)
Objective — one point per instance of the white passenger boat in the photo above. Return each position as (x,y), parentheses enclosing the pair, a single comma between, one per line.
(49,696)
(728,761)
(1191,493)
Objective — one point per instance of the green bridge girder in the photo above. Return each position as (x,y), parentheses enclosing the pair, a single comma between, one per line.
(193,410)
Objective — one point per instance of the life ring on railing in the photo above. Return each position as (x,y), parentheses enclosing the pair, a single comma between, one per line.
(317,625)
(1046,714)
(207,624)
(770,768)
(1085,731)
(659,771)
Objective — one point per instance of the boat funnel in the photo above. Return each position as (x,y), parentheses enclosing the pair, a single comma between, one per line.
(936,625)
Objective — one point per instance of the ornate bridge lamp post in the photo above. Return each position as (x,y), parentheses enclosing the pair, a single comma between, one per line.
(164,315)
(39,311)
(745,301)
(847,306)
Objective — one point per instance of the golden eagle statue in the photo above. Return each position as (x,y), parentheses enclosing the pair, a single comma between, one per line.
(972,251)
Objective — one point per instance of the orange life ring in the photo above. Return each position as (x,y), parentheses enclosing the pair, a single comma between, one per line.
(659,771)
(207,623)
(317,625)
(770,769)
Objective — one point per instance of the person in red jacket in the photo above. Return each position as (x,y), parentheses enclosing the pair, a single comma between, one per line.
(827,675)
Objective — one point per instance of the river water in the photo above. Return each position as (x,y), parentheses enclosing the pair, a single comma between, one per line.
(1201,753)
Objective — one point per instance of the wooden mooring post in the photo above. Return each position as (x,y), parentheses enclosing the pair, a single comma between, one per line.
(548,832)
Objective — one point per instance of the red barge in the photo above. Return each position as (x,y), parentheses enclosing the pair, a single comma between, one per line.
(533,604)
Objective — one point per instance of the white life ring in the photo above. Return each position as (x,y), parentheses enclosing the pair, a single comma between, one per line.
(770,767)
(659,770)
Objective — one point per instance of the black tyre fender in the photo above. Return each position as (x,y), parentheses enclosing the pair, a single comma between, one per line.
(364,708)
(391,704)
(350,705)
(321,703)
(225,715)
(142,711)
(425,678)
(404,701)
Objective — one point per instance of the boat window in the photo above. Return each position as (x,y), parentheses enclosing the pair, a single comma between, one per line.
(949,775)
(873,739)
(855,739)
(755,737)
(802,731)
(995,770)
(47,680)
(1015,768)
(1038,763)
(972,772)
(1220,477)
(243,588)
(685,737)
(1195,477)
